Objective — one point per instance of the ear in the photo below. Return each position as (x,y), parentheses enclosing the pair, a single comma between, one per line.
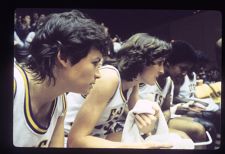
(63,61)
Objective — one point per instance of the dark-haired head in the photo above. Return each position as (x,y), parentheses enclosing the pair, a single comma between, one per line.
(72,34)
(181,60)
(182,52)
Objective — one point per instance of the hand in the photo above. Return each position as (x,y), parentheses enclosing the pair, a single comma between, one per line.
(146,123)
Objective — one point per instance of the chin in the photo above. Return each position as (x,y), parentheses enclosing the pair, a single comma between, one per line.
(152,83)
(86,91)
(81,91)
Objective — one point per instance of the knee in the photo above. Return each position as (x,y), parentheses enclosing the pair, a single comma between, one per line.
(199,132)
(183,134)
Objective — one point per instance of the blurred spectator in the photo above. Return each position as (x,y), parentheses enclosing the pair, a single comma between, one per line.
(31,34)
(24,28)
(34,21)
(201,66)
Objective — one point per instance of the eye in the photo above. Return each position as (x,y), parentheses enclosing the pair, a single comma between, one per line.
(97,63)
(159,62)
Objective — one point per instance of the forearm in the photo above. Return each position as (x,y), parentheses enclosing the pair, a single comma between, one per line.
(57,144)
(96,142)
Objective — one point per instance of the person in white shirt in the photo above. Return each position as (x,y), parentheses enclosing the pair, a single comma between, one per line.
(62,58)
(98,124)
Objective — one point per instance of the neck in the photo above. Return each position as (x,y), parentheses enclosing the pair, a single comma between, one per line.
(128,84)
(42,93)
(162,80)
(166,72)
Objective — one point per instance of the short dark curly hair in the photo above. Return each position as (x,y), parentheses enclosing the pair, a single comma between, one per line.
(182,52)
(139,51)
(73,34)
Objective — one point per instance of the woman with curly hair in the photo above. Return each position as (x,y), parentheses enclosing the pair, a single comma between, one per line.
(95,121)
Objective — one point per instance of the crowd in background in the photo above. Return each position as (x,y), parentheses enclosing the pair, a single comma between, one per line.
(26,26)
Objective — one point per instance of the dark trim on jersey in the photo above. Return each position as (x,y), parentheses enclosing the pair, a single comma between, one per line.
(142,85)
(53,109)
(84,96)
(31,121)
(157,84)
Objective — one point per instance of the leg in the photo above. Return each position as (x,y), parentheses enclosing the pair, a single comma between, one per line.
(180,133)
(194,129)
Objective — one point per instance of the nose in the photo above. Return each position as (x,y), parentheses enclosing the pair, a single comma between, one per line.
(161,69)
(97,74)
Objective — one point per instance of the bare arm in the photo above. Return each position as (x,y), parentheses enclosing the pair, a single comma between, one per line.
(90,112)
(145,122)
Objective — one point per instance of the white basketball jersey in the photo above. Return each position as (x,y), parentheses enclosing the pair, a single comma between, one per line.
(109,121)
(26,130)
(156,93)
(74,103)
(187,89)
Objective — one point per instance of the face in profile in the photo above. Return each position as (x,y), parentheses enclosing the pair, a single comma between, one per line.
(178,71)
(153,71)
(81,76)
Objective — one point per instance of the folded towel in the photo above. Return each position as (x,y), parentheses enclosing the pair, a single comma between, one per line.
(174,139)
(131,132)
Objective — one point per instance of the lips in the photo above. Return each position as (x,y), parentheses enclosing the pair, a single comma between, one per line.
(91,84)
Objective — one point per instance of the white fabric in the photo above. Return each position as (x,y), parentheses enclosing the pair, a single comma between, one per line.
(210,104)
(111,118)
(23,133)
(30,37)
(174,139)
(131,133)
(187,91)
(17,40)
(116,46)
(156,93)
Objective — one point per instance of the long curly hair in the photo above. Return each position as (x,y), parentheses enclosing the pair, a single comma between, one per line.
(139,51)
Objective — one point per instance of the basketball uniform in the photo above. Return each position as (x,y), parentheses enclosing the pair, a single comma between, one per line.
(157,94)
(110,120)
(187,89)
(27,132)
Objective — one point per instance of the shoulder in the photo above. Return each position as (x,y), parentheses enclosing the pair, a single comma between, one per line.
(107,84)
(109,75)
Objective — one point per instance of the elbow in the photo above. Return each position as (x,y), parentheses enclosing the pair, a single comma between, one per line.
(73,141)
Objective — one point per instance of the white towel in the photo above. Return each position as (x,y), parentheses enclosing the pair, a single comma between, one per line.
(131,133)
